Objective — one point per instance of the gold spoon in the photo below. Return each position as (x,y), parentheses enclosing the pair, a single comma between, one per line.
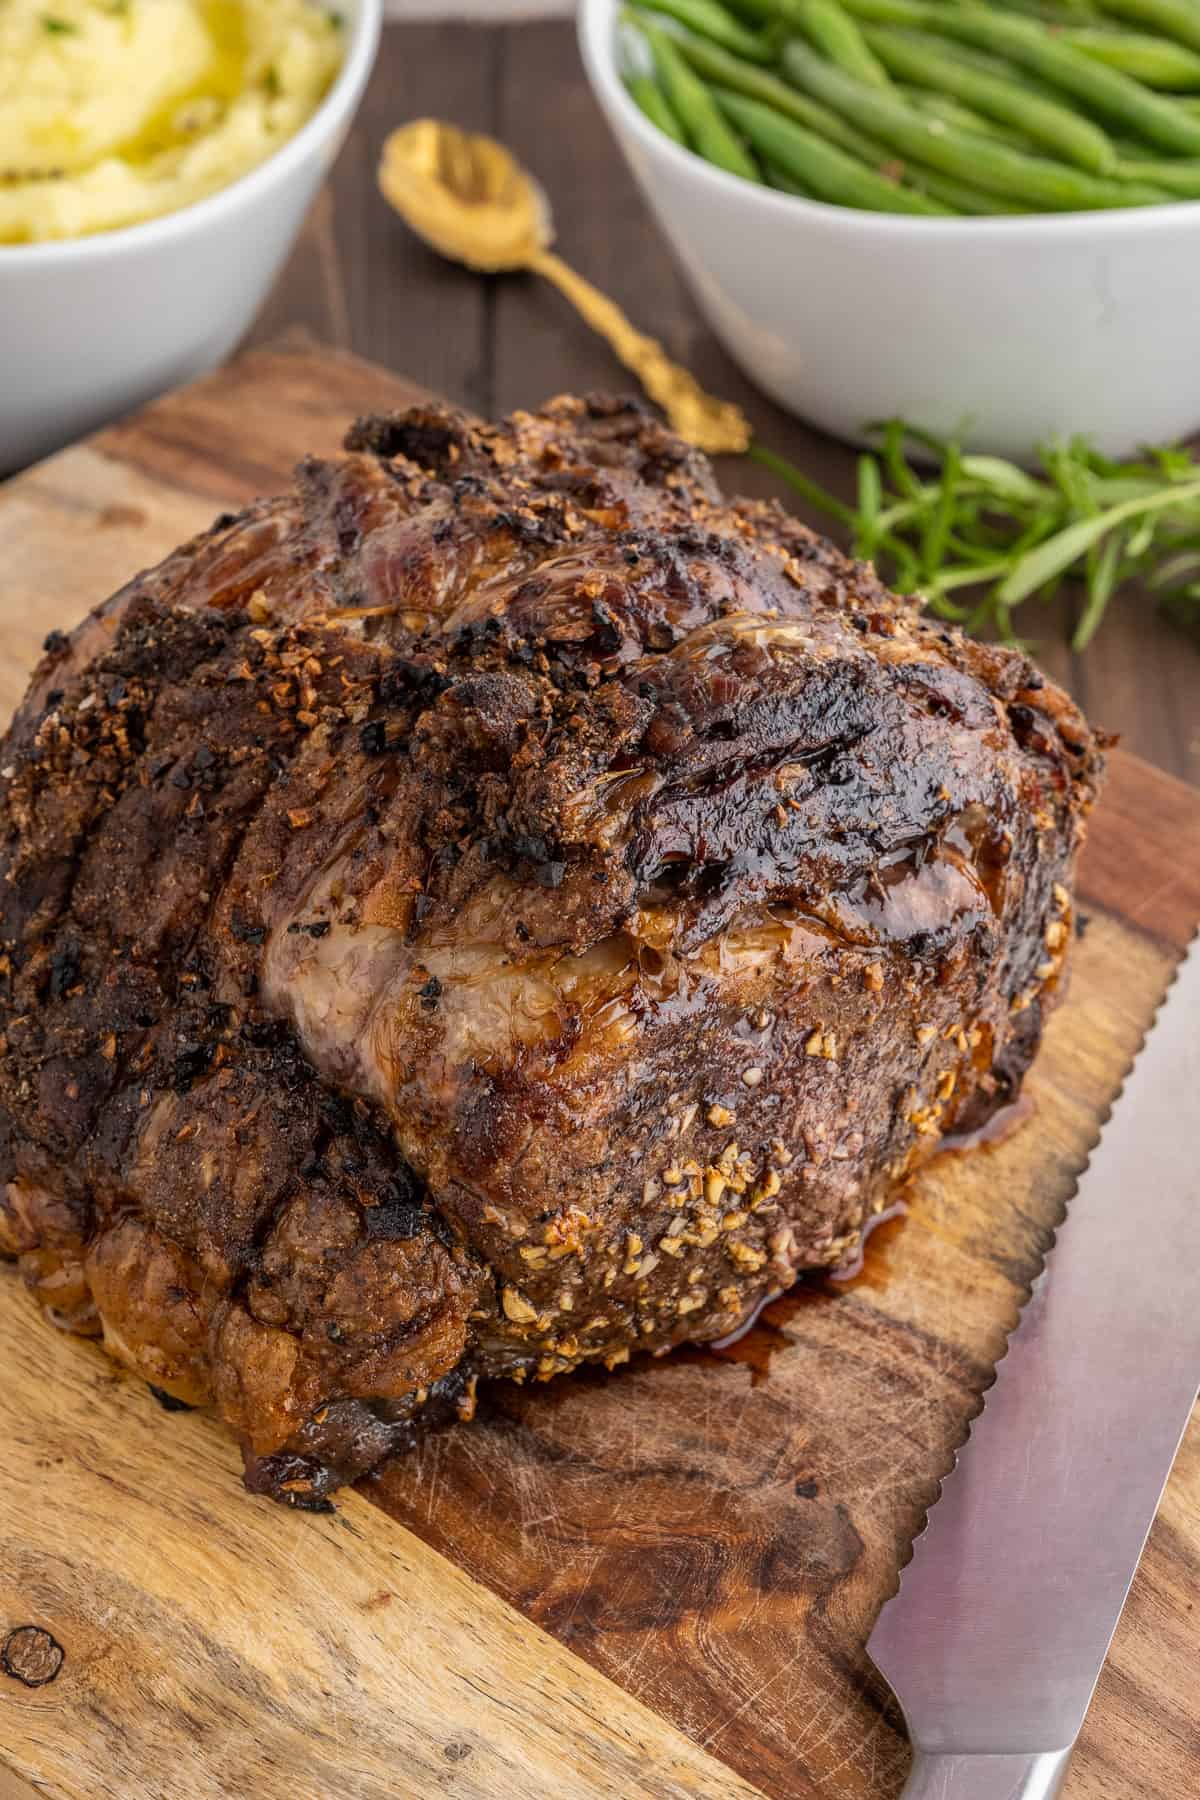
(470,199)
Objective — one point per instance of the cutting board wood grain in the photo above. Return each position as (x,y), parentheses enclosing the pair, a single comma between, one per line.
(652,1584)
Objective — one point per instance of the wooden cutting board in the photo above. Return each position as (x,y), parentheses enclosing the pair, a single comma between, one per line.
(652,1584)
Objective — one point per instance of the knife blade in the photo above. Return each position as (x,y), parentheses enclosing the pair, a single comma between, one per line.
(995,1640)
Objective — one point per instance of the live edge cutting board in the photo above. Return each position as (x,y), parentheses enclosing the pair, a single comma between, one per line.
(654,1584)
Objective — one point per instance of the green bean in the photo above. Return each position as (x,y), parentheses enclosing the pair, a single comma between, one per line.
(959,196)
(770,12)
(694,107)
(995,65)
(953,112)
(787,184)
(1105,91)
(716,65)
(1066,12)
(920,15)
(1031,180)
(1178,19)
(830,173)
(1000,70)
(838,37)
(1155,62)
(939,106)
(656,106)
(916,57)
(710,20)
(1181,178)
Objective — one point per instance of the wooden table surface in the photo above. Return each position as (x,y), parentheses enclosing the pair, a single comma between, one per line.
(360,280)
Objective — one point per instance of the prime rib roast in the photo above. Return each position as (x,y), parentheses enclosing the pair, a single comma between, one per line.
(496,907)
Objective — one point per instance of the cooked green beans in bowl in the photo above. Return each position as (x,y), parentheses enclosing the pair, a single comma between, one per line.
(943,107)
(980,214)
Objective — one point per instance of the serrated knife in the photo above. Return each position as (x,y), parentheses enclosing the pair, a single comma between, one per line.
(996,1638)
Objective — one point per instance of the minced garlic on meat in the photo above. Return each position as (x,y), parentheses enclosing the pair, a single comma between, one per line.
(116,111)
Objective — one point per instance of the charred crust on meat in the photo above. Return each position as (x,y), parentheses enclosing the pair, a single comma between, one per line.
(373,738)
(300,1482)
(495,908)
(398,1212)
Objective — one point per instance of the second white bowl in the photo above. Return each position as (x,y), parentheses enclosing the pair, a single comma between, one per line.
(1004,330)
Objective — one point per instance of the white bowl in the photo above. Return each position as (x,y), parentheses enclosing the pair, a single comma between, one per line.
(92,327)
(1005,330)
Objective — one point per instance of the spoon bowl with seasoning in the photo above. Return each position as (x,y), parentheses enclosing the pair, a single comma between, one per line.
(468,198)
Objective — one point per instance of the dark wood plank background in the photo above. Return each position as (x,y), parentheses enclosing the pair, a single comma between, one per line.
(359,279)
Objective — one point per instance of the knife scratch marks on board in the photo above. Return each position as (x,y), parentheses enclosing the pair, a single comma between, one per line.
(583,1574)
(630,1664)
(1150,906)
(798,1655)
(474,1449)
(532,1510)
(854,1757)
(530,1526)
(830,1716)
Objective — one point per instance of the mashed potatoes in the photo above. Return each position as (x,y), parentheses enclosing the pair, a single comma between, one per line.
(114,111)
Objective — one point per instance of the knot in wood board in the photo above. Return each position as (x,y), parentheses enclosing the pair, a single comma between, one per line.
(31,1656)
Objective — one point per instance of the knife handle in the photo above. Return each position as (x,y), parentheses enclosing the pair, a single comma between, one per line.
(954,1776)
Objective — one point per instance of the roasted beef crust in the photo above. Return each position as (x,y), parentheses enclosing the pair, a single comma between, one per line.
(495,907)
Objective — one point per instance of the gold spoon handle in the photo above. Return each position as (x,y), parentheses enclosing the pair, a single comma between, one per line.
(714,425)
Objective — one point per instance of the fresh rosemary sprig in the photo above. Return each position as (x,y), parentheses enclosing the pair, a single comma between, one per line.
(982,528)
